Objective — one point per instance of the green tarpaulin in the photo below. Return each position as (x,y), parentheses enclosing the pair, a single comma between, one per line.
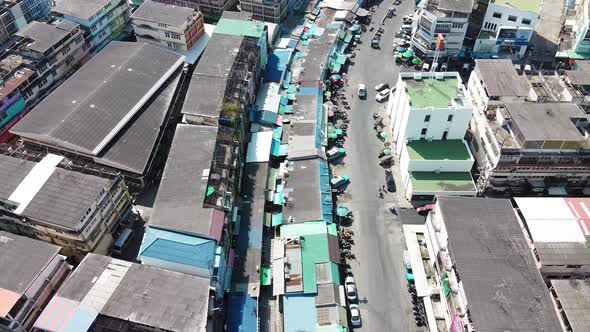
(265,276)
(277,219)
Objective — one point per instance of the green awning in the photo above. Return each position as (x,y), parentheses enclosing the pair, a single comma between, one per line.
(291,96)
(444,279)
(265,276)
(291,89)
(341,59)
(278,199)
(338,132)
(284,100)
(335,67)
(210,191)
(348,38)
(277,219)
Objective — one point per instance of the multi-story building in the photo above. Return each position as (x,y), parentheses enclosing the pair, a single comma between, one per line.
(15,14)
(186,233)
(30,272)
(174,27)
(136,100)
(557,229)
(429,114)
(530,146)
(76,211)
(273,11)
(494,83)
(507,28)
(571,298)
(35,62)
(211,9)
(107,294)
(101,20)
(445,17)
(473,270)
(575,36)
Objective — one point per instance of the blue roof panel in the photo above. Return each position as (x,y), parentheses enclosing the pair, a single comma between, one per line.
(241,313)
(295,307)
(177,247)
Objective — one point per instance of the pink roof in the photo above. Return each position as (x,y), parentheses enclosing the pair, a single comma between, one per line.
(7,301)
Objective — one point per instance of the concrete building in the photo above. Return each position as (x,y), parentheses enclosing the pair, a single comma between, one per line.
(185,233)
(529,146)
(211,9)
(507,28)
(273,11)
(30,272)
(111,119)
(15,14)
(575,37)
(76,211)
(36,61)
(494,83)
(473,269)
(429,114)
(107,294)
(446,17)
(177,28)
(557,230)
(101,20)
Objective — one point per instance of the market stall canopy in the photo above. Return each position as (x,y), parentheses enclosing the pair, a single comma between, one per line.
(361,12)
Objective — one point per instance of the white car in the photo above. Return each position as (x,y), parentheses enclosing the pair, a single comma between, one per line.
(381,86)
(355,315)
(362,91)
(381,96)
(350,288)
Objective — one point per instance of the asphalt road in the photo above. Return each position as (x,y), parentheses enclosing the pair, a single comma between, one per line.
(378,269)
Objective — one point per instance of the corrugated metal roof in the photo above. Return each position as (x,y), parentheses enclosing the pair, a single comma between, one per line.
(179,201)
(501,79)
(44,35)
(238,27)
(87,111)
(178,248)
(83,9)
(295,307)
(144,295)
(62,200)
(574,297)
(499,276)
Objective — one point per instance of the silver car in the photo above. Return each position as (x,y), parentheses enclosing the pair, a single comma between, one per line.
(350,289)
(355,315)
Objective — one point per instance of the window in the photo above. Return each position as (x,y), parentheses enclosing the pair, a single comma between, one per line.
(427,118)
(497,15)
(162,25)
(526,21)
(512,18)
(445,134)
(423,132)
(450,118)
(458,25)
(65,50)
(167,34)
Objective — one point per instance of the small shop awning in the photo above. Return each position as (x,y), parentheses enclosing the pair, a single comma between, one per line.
(361,12)
(277,219)
(265,276)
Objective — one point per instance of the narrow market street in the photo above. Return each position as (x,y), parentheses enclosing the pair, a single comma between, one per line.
(378,268)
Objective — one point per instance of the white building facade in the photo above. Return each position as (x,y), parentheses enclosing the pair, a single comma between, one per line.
(173,27)
(507,29)
(439,17)
(429,114)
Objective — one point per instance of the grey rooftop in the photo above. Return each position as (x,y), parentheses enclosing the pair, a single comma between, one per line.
(461,6)
(546,121)
(502,285)
(45,35)
(163,13)
(581,76)
(302,192)
(143,294)
(112,108)
(61,202)
(501,79)
(83,9)
(574,297)
(180,197)
(22,259)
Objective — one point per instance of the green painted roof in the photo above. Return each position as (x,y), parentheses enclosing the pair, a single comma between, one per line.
(431,92)
(438,150)
(530,5)
(314,250)
(442,182)
(239,28)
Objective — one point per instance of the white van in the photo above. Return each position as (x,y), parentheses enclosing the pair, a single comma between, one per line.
(406,27)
